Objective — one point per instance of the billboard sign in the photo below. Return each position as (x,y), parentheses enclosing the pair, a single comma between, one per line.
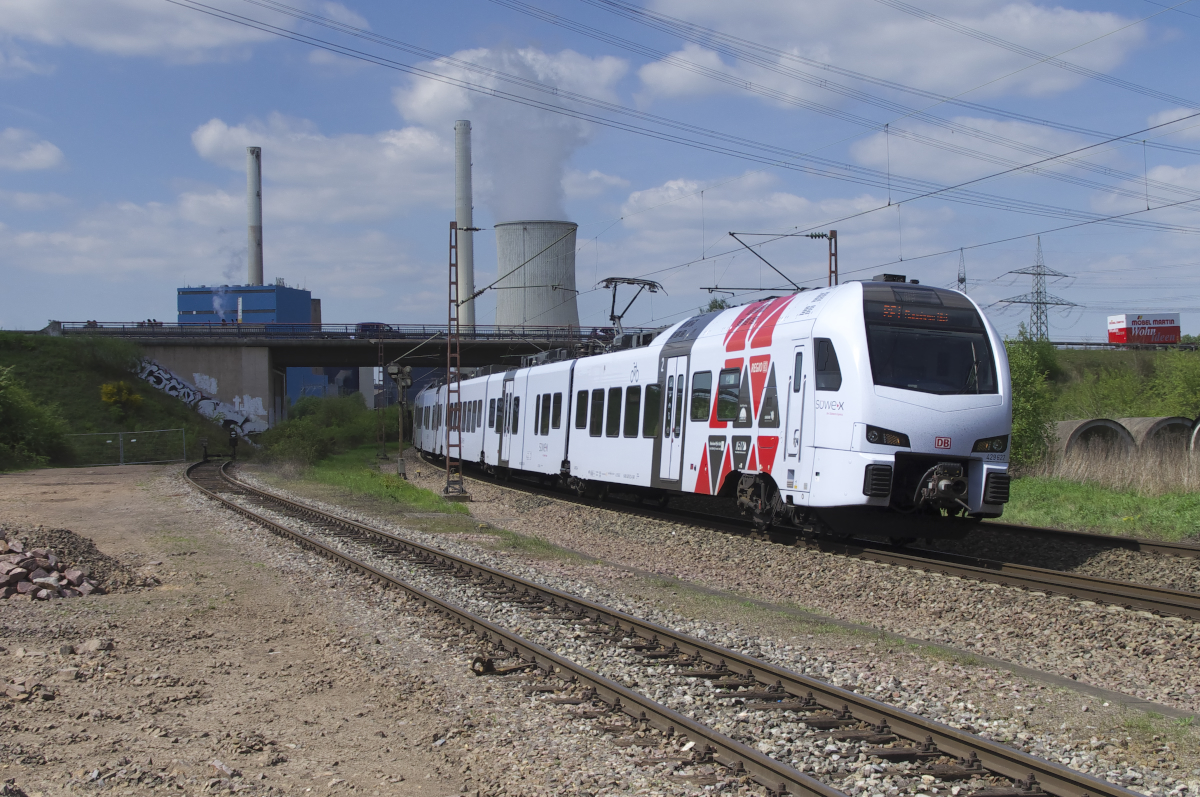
(1144,328)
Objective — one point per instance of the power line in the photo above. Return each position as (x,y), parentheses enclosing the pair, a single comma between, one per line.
(810,164)
(837,113)
(1040,57)
(771,58)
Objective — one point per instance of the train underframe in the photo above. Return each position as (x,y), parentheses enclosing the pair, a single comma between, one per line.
(926,502)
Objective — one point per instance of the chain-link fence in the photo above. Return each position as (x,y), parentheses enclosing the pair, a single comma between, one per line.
(130,448)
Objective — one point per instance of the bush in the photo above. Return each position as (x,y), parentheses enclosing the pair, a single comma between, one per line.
(1032,400)
(31,433)
(319,427)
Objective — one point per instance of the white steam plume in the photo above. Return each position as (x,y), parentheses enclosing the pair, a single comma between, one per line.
(520,153)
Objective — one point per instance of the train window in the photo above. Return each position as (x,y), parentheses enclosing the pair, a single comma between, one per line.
(701,395)
(596,425)
(537,411)
(491,413)
(728,394)
(612,426)
(545,413)
(478,417)
(650,416)
(829,373)
(633,404)
(556,412)
(670,405)
(581,402)
(798,373)
(516,405)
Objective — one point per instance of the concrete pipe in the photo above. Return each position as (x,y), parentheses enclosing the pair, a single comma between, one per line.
(1172,432)
(1073,435)
(1194,438)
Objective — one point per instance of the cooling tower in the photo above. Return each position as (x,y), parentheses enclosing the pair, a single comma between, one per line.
(540,293)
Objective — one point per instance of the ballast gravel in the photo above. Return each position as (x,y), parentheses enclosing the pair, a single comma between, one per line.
(948,691)
(1132,652)
(1055,553)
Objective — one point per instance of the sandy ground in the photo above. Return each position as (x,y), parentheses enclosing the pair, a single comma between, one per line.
(224,661)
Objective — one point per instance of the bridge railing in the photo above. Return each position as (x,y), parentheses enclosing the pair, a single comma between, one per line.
(363,331)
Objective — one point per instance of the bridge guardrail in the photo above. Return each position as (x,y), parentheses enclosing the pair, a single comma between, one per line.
(364,331)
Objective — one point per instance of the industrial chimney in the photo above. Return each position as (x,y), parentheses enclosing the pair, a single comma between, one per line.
(462,215)
(541,292)
(254,255)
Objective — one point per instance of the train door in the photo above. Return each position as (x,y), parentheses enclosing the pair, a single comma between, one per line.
(673,421)
(798,388)
(505,422)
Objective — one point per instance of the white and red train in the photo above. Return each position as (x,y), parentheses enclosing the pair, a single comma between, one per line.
(835,407)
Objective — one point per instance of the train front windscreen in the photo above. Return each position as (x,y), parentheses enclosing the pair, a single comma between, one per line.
(927,340)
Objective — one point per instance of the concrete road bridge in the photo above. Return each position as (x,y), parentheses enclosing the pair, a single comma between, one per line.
(247,362)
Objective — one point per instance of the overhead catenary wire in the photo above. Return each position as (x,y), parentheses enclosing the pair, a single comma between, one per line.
(887,128)
(785,158)
(773,59)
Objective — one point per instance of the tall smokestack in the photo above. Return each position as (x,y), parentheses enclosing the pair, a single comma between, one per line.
(462,215)
(254,260)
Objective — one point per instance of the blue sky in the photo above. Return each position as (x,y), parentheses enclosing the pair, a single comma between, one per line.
(123,127)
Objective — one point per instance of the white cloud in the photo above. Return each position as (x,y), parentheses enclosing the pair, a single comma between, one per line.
(880,41)
(581,185)
(915,159)
(330,203)
(13,62)
(22,150)
(668,225)
(22,200)
(308,176)
(126,27)
(520,153)
(145,27)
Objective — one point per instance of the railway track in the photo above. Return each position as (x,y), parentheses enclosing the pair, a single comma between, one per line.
(852,722)
(1128,595)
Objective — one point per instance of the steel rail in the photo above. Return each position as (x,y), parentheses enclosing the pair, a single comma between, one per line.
(1126,594)
(738,757)
(995,757)
(1187,550)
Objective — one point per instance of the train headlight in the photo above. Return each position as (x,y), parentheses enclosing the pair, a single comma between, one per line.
(991,445)
(886,437)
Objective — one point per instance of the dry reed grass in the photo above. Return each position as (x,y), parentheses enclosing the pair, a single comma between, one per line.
(1158,468)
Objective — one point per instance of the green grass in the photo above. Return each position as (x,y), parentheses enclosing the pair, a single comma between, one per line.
(1056,503)
(68,372)
(529,545)
(357,472)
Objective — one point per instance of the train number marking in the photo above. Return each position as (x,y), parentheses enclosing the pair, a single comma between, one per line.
(941,442)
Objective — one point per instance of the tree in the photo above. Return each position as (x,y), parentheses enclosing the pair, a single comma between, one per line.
(1032,400)
(30,433)
(121,397)
(715,304)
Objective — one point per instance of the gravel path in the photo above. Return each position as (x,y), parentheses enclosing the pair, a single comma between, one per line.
(502,741)
(881,673)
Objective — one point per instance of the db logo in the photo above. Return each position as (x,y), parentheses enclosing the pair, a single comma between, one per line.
(941,442)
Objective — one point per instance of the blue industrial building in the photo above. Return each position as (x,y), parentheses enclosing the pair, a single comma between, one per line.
(267,304)
(245,304)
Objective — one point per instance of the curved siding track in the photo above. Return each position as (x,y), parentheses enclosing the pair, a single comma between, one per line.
(877,729)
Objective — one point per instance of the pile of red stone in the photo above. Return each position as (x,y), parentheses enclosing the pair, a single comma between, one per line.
(38,574)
